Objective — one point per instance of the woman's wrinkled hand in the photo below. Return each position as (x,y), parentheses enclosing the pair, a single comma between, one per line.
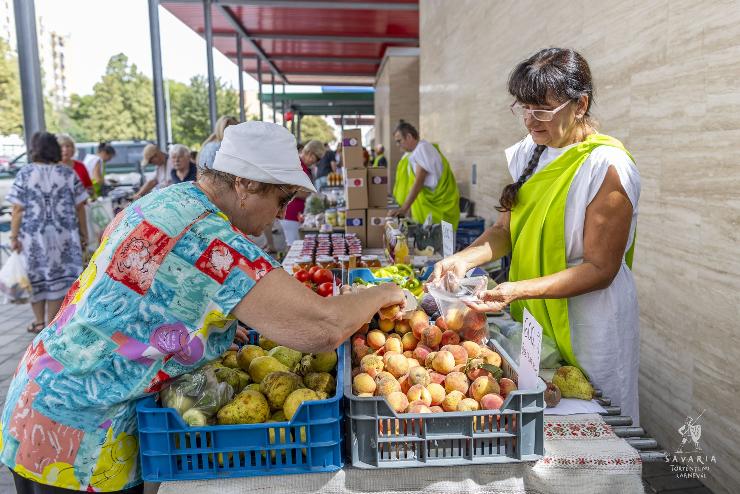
(450,264)
(495,300)
(240,338)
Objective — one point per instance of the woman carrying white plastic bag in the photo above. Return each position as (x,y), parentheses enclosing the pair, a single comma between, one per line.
(14,282)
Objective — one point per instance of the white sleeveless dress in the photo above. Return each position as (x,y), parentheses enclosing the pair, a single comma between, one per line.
(604,324)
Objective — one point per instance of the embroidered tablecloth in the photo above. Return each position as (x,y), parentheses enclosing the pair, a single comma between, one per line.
(582,455)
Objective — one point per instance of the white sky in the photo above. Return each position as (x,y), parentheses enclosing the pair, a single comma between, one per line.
(99,29)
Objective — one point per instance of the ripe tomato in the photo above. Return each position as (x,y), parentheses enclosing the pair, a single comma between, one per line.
(326,289)
(313,269)
(302,275)
(310,285)
(322,276)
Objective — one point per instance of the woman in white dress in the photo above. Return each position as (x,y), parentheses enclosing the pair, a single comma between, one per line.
(568,220)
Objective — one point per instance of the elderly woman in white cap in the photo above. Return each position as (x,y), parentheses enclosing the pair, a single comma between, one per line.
(161,297)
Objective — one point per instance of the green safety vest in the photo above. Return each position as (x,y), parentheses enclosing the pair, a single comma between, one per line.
(443,202)
(538,237)
(376,161)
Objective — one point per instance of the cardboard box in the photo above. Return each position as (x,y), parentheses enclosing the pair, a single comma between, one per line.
(377,187)
(352,155)
(355,188)
(356,223)
(376,227)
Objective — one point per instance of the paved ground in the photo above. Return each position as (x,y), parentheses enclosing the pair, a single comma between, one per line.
(14,339)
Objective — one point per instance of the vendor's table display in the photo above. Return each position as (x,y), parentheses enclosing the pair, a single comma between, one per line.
(582,455)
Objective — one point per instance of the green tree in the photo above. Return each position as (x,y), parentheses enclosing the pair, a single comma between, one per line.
(191,123)
(11,114)
(315,127)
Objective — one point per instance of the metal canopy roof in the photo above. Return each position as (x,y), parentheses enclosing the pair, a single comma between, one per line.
(338,43)
(330,104)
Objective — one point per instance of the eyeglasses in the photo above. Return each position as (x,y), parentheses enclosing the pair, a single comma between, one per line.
(541,115)
(285,200)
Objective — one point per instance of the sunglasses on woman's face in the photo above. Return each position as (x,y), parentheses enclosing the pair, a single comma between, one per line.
(287,197)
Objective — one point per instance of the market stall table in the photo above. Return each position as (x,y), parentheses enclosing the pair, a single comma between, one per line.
(582,455)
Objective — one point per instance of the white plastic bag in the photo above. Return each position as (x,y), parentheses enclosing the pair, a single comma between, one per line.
(98,214)
(14,282)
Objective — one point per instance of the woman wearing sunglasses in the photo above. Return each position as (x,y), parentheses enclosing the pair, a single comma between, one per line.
(161,297)
(568,220)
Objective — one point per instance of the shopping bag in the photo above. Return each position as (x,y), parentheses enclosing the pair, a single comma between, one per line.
(14,282)
(98,214)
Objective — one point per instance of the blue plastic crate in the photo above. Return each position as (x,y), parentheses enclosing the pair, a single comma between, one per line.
(311,442)
(366,275)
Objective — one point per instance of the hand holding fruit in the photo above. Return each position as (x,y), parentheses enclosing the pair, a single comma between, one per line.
(495,300)
(458,266)
(393,300)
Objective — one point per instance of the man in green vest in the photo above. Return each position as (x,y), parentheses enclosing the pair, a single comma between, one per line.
(425,183)
(380,160)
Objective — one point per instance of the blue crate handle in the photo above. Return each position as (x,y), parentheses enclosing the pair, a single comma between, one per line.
(366,275)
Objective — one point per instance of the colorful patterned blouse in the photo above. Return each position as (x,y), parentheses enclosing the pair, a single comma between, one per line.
(153,303)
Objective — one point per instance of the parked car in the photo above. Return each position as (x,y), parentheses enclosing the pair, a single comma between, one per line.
(125,165)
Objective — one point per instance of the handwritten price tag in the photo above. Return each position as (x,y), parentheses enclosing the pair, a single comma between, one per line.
(529,355)
(448,239)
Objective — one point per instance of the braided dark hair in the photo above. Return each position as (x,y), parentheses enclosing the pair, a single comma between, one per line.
(552,74)
(508,197)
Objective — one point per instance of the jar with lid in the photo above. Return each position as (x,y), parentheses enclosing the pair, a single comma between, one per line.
(371,261)
(303,262)
(331,217)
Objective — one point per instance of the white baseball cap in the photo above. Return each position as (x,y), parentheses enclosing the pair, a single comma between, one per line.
(261,151)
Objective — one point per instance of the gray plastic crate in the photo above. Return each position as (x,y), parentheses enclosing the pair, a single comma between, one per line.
(378,437)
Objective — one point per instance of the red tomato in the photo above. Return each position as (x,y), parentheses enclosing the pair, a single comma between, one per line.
(313,269)
(310,285)
(322,276)
(326,289)
(302,275)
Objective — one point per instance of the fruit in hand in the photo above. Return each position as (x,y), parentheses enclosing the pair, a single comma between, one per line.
(390,312)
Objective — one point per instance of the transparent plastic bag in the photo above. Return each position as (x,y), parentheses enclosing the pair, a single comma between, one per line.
(14,282)
(451,293)
(197,396)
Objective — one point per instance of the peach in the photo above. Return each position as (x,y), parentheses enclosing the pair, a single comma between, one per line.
(431,336)
(491,402)
(363,383)
(394,335)
(418,407)
(436,392)
(474,369)
(372,364)
(397,365)
(412,362)
(402,326)
(441,323)
(467,405)
(430,358)
(360,351)
(457,351)
(418,321)
(408,354)
(436,409)
(421,352)
(419,392)
(456,381)
(443,362)
(482,386)
(449,404)
(383,374)
(386,325)
(474,335)
(472,348)
(397,401)
(417,332)
(507,386)
(393,345)
(419,375)
(365,395)
(436,377)
(474,320)
(454,319)
(459,368)
(405,383)
(389,312)
(450,338)
(388,355)
(489,356)
(375,339)
(387,385)
(409,341)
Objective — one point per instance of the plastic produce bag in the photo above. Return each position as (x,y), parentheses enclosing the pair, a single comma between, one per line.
(451,292)
(14,282)
(98,214)
(197,397)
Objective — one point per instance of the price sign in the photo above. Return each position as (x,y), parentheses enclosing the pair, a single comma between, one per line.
(529,355)
(448,239)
